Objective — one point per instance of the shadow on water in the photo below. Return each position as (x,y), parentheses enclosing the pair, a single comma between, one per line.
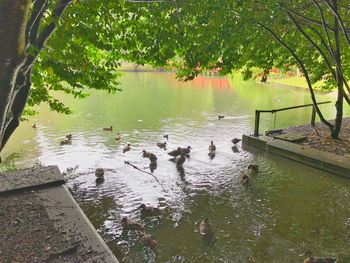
(287,209)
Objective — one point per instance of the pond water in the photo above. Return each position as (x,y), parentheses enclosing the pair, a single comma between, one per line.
(288,208)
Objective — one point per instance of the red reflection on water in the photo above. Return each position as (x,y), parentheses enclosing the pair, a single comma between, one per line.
(218,83)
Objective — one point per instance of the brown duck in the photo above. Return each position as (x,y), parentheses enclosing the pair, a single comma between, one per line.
(205,228)
(244,179)
(149,241)
(212,147)
(99,172)
(161,145)
(129,224)
(150,210)
(180,160)
(110,128)
(127,148)
(253,168)
(175,152)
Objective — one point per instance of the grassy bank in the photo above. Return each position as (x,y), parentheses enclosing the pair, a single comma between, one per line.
(295,81)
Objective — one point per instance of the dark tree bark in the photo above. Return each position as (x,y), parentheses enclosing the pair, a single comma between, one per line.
(339,76)
(12,52)
(18,33)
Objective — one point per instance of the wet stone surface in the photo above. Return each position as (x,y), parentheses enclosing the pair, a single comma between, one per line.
(29,235)
(30,177)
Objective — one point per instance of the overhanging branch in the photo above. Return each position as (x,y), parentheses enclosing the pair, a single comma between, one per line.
(300,63)
(323,55)
(46,33)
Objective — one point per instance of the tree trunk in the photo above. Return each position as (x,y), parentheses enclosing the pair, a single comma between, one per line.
(339,78)
(12,52)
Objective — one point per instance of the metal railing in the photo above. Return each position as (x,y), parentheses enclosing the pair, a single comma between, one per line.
(313,115)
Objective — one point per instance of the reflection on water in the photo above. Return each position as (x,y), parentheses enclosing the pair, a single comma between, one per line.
(287,209)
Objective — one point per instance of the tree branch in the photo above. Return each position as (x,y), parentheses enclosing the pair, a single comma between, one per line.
(17,108)
(40,7)
(313,98)
(305,17)
(340,21)
(323,55)
(46,33)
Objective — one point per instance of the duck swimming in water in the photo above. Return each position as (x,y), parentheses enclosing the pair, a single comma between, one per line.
(99,172)
(253,168)
(129,224)
(221,117)
(149,241)
(205,228)
(118,137)
(110,128)
(66,142)
(153,158)
(180,160)
(244,179)
(175,152)
(69,136)
(186,151)
(127,148)
(235,141)
(166,136)
(161,145)
(150,210)
(146,154)
(212,147)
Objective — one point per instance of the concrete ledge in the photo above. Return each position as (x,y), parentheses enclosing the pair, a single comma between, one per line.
(30,178)
(41,222)
(68,217)
(325,161)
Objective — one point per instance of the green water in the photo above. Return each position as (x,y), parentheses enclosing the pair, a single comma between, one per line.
(289,208)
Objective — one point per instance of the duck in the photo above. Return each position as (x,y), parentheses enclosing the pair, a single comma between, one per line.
(69,136)
(34,126)
(186,151)
(99,172)
(110,128)
(161,145)
(166,136)
(127,148)
(244,179)
(150,210)
(212,147)
(179,160)
(205,228)
(118,137)
(66,142)
(149,241)
(129,224)
(146,154)
(253,168)
(235,141)
(175,152)
(221,117)
(320,260)
(152,157)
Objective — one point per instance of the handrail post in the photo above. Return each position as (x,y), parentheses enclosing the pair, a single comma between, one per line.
(313,116)
(257,121)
